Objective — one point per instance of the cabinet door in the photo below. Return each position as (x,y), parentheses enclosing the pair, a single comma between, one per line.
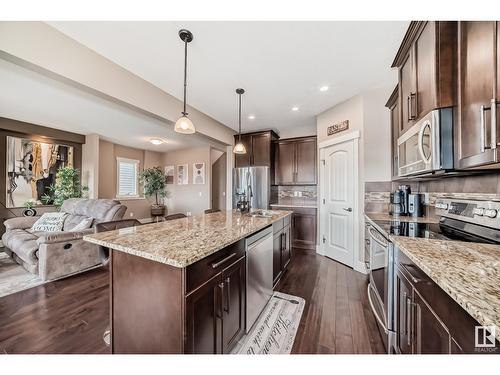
(431,336)
(244,160)
(277,239)
(261,150)
(285,163)
(404,314)
(304,229)
(407,97)
(395,135)
(476,89)
(286,251)
(234,304)
(305,159)
(425,70)
(204,318)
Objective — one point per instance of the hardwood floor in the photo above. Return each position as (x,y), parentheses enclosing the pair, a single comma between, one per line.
(70,315)
(337,317)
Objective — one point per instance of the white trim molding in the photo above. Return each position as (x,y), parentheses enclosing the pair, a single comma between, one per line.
(341,139)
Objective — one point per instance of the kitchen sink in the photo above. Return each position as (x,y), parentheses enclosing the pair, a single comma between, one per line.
(262,213)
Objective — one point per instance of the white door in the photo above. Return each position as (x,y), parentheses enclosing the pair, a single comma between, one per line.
(338,202)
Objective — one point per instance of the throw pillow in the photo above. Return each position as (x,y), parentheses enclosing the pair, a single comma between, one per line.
(82,225)
(50,222)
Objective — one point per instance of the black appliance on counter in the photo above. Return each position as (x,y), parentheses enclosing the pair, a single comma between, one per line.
(399,205)
(416,205)
(460,220)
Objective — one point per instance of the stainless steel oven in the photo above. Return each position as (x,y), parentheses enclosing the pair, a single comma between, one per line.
(427,147)
(380,287)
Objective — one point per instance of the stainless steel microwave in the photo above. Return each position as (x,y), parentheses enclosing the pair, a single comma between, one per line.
(427,147)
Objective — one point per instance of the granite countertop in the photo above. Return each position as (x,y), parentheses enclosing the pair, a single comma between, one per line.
(294,205)
(182,242)
(468,272)
(386,217)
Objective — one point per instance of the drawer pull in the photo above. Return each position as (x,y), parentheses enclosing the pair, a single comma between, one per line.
(217,264)
(413,278)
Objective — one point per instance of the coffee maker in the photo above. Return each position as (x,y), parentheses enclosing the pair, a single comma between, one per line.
(399,205)
(416,205)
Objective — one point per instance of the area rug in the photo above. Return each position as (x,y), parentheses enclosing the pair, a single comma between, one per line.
(14,278)
(275,330)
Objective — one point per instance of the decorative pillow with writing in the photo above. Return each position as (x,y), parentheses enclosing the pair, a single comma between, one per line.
(50,222)
(82,225)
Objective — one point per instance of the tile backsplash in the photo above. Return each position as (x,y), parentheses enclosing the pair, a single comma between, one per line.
(294,195)
(480,187)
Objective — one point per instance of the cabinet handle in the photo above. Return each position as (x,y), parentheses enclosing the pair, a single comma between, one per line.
(482,130)
(217,264)
(405,316)
(408,321)
(493,124)
(413,278)
(219,304)
(228,294)
(410,105)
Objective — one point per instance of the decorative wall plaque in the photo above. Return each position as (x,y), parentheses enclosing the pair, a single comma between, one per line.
(337,128)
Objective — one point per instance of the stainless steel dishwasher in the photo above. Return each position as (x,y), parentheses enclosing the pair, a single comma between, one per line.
(259,251)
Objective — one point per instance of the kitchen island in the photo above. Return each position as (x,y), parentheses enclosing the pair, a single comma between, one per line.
(179,286)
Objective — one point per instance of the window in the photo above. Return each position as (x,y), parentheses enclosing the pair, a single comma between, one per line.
(127,178)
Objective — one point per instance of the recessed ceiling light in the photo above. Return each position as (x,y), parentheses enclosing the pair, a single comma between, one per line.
(251,117)
(295,108)
(323,88)
(156,141)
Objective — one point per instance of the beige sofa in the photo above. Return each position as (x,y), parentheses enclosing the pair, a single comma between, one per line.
(53,255)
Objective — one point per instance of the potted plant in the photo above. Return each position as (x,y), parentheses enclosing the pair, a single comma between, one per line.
(67,186)
(155,183)
(28,208)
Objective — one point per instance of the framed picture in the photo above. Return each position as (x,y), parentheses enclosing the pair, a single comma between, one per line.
(199,173)
(31,168)
(169,174)
(182,174)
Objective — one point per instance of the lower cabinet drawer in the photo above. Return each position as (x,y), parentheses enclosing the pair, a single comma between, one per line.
(203,270)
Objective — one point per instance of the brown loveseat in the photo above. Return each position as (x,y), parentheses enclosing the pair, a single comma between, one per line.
(52,255)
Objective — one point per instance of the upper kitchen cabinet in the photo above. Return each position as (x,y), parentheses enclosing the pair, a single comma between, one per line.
(476,136)
(296,161)
(393,105)
(426,61)
(259,148)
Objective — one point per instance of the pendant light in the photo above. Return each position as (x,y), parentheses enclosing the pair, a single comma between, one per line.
(239,147)
(183,124)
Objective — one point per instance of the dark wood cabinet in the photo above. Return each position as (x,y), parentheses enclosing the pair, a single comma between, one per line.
(296,161)
(282,251)
(204,318)
(426,61)
(476,134)
(304,228)
(431,336)
(393,105)
(233,304)
(403,314)
(260,150)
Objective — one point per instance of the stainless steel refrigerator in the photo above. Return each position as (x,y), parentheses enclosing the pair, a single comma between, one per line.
(253,183)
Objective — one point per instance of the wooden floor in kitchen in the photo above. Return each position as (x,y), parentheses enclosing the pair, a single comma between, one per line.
(70,316)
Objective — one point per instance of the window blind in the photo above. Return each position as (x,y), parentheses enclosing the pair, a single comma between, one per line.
(127,178)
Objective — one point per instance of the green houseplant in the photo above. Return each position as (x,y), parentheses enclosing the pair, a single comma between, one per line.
(154,181)
(67,186)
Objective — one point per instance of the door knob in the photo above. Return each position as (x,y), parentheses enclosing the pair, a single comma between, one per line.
(349,209)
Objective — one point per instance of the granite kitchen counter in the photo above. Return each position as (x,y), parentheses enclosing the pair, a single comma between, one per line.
(468,272)
(182,242)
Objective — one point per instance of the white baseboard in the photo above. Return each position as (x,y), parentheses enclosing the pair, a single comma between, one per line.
(319,250)
(360,267)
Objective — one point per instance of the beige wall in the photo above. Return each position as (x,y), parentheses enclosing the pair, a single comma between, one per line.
(298,131)
(108,152)
(189,198)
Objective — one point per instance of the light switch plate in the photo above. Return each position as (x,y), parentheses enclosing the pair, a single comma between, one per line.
(426,199)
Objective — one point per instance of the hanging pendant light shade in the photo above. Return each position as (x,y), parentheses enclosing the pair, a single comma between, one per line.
(239,147)
(184,125)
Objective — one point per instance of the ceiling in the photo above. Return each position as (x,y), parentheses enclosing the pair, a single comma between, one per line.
(31,97)
(279,64)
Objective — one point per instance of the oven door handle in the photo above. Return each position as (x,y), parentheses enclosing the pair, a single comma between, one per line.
(374,238)
(373,309)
